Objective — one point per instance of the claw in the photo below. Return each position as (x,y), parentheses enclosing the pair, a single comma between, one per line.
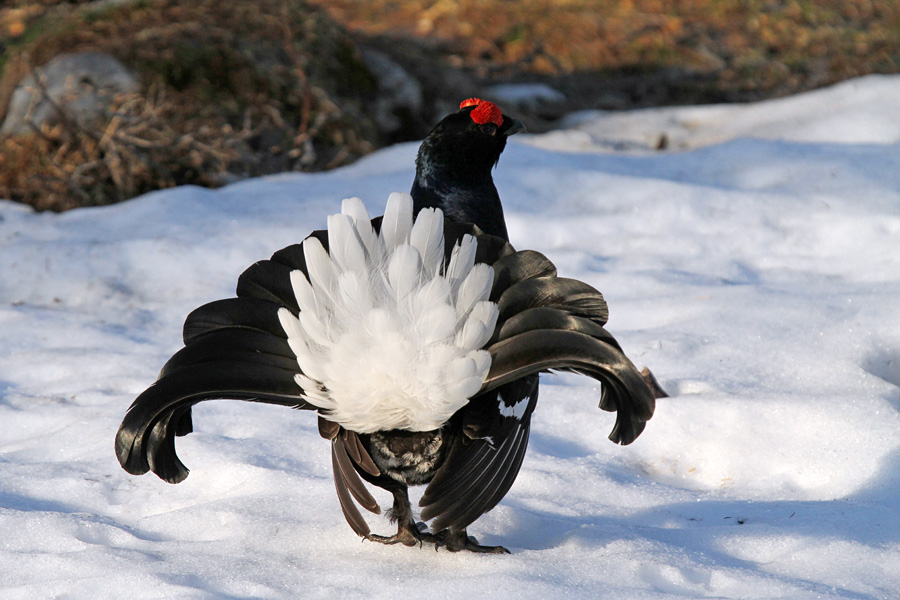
(458,541)
(408,534)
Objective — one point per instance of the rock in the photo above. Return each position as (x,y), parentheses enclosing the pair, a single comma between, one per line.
(399,99)
(527,97)
(83,84)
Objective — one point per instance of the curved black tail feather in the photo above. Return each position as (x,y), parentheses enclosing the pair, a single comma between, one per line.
(624,391)
(146,439)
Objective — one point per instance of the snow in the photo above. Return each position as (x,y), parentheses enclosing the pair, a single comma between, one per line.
(856,111)
(757,277)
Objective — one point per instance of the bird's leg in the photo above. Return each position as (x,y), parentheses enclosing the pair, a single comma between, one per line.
(457,540)
(408,532)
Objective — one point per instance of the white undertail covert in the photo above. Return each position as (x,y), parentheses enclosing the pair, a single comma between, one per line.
(389,336)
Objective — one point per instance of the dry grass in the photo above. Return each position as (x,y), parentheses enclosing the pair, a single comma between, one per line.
(67,164)
(227,89)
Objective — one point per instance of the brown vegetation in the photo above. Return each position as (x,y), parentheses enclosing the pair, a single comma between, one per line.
(748,48)
(227,89)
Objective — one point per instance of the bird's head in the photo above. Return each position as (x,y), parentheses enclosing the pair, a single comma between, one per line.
(468,143)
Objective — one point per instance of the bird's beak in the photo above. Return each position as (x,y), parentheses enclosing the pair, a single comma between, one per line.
(515,127)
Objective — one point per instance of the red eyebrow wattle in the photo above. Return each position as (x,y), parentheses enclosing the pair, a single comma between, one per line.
(484,112)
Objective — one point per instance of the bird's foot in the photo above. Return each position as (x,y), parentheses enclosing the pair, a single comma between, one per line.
(456,541)
(410,534)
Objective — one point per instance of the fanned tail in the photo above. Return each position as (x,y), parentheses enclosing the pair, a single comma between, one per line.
(232,352)
(513,309)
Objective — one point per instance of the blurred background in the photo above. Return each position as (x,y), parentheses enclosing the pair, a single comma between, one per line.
(103,100)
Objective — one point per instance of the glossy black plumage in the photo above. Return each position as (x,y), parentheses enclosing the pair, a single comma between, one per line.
(236,348)
(453,170)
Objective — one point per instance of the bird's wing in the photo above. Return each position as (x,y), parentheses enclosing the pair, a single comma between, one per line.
(478,473)
(483,462)
(546,323)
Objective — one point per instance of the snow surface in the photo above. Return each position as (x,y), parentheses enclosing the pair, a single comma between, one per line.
(856,111)
(758,278)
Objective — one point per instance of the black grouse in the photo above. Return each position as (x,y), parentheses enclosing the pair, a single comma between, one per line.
(417,337)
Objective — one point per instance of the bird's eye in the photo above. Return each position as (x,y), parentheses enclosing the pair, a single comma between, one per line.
(488,128)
